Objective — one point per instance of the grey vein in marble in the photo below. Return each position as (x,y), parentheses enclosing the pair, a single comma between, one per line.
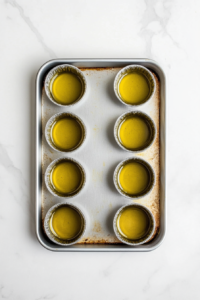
(4,293)
(147,286)
(152,15)
(46,297)
(108,270)
(7,163)
(30,24)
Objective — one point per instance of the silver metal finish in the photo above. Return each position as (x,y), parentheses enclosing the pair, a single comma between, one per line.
(100,63)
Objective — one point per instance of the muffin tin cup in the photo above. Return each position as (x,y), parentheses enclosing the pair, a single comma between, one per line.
(150,122)
(130,69)
(142,240)
(57,240)
(58,117)
(48,180)
(61,69)
(144,163)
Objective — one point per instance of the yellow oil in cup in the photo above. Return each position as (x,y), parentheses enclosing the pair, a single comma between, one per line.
(133,223)
(66,177)
(134,133)
(67,134)
(134,88)
(66,88)
(134,178)
(66,223)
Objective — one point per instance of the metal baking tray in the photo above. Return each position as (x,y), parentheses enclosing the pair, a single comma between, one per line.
(99,198)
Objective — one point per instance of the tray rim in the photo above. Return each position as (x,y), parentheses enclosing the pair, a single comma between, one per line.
(109,63)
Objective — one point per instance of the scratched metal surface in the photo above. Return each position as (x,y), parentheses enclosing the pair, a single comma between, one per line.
(100,155)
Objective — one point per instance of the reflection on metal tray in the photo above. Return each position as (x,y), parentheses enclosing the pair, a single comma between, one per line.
(101,154)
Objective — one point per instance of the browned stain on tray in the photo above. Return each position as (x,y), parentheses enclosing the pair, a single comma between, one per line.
(100,69)
(152,201)
(45,161)
(100,241)
(97,227)
(94,240)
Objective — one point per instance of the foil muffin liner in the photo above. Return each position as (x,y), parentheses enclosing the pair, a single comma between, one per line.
(141,240)
(48,182)
(144,116)
(130,69)
(68,69)
(58,117)
(151,174)
(56,239)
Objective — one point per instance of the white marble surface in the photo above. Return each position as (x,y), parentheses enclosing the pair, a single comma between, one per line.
(32,32)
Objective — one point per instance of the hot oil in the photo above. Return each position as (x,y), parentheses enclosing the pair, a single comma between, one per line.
(66,88)
(65,223)
(66,177)
(66,134)
(133,223)
(134,178)
(134,88)
(134,133)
